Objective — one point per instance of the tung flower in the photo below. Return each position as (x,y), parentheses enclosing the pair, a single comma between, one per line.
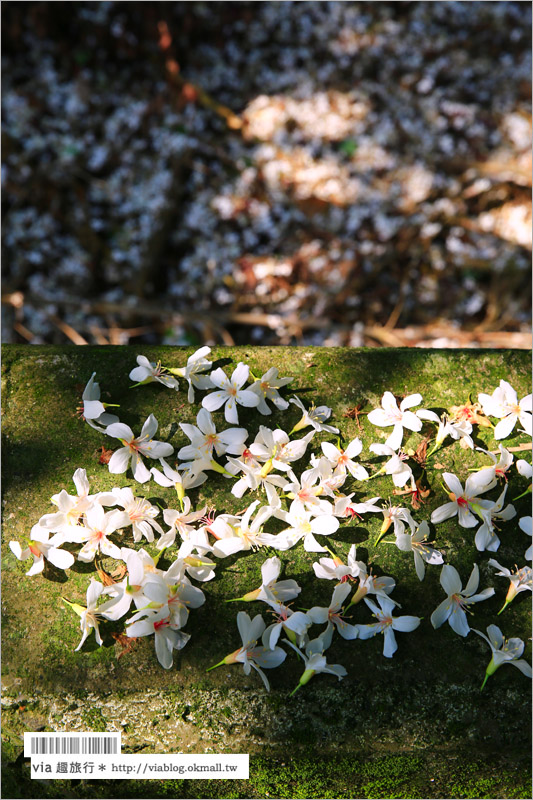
(456,604)
(230,393)
(389,414)
(504,651)
(134,448)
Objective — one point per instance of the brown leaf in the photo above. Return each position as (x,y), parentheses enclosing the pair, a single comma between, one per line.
(103,455)
(125,642)
(420,453)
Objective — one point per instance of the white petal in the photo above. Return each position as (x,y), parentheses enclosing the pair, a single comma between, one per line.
(140,471)
(120,431)
(247,398)
(458,621)
(60,558)
(240,374)
(441,614)
(395,439)
(405,624)
(450,580)
(214,400)
(325,524)
(389,643)
(505,426)
(379,417)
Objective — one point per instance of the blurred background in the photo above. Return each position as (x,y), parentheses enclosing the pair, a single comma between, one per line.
(316,173)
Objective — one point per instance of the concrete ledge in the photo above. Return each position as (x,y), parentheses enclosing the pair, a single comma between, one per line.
(426,698)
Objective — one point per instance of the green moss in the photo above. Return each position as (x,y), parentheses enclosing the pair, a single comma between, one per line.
(401,776)
(94,719)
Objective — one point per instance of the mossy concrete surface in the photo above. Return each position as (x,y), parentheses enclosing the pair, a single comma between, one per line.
(425,700)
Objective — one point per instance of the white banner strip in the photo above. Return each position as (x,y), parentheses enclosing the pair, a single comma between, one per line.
(156,766)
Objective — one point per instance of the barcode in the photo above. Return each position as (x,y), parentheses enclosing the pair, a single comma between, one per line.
(71,744)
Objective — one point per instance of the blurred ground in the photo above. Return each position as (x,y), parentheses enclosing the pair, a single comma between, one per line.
(330,173)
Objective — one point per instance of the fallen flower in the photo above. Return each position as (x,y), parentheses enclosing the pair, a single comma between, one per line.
(133,448)
(196,364)
(315,417)
(389,414)
(387,624)
(503,404)
(267,387)
(520,581)
(41,547)
(454,607)
(149,371)
(504,651)
(249,655)
(230,393)
(89,617)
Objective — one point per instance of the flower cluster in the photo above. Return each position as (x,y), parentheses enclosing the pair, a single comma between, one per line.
(288,506)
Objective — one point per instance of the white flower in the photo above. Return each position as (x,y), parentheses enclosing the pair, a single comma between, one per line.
(293,623)
(464,501)
(302,525)
(41,547)
(94,412)
(345,508)
(267,387)
(486,538)
(180,522)
(389,414)
(344,458)
(149,371)
(423,552)
(334,569)
(173,593)
(457,429)
(395,466)
(204,438)
(181,481)
(396,516)
(307,491)
(330,480)
(196,364)
(499,467)
(133,448)
(316,417)
(167,636)
(249,655)
(71,508)
(231,392)
(234,534)
(89,617)
(503,404)
(387,624)
(504,651)
(271,589)
(253,477)
(140,512)
(520,581)
(197,565)
(525,525)
(333,614)
(454,607)
(140,566)
(98,526)
(314,659)
(274,448)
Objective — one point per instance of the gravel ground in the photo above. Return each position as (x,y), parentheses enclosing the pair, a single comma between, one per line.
(330,173)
